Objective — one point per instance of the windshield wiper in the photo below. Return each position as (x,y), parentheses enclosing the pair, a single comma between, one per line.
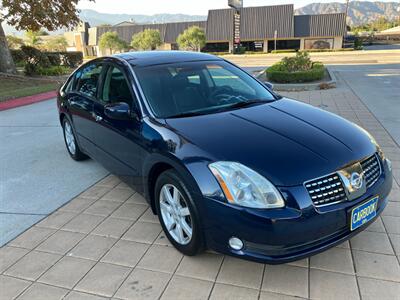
(187,114)
(247,103)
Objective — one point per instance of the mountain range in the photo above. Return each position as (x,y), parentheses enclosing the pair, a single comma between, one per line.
(360,12)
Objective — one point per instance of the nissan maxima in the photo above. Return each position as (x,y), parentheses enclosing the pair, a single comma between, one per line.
(225,162)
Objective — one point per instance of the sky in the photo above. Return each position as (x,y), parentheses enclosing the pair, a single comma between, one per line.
(189,7)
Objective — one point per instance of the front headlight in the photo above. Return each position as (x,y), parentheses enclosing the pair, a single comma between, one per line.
(245,187)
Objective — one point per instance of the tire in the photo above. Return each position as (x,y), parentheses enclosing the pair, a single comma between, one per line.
(70,141)
(182,213)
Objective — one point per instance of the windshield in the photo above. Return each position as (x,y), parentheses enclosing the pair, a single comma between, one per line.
(194,88)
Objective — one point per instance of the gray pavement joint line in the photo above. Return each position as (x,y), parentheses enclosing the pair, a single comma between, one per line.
(116,241)
(355,270)
(172,276)
(216,278)
(23,214)
(390,241)
(65,255)
(262,282)
(57,210)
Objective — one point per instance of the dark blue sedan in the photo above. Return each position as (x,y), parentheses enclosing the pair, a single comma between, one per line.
(225,162)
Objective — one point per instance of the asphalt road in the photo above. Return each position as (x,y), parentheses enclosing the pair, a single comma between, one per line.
(36,174)
(378,86)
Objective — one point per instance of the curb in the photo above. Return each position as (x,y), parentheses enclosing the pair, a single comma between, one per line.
(13,103)
(290,87)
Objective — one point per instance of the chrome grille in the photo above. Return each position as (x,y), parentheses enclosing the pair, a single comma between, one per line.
(372,170)
(326,190)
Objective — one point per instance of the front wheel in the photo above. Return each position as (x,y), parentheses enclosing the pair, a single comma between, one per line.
(178,214)
(70,141)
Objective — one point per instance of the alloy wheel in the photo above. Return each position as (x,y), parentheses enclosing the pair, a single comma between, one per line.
(69,138)
(175,214)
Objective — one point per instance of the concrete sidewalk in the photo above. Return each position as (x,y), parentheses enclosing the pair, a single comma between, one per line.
(106,243)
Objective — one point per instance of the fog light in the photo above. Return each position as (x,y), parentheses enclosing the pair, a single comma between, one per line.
(235,243)
(389,163)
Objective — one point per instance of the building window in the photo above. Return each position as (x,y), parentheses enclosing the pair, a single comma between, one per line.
(254,46)
(216,47)
(283,45)
(318,44)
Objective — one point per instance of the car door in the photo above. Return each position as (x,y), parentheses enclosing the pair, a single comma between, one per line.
(118,141)
(81,100)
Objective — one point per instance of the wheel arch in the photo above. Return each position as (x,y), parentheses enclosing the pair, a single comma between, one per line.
(155,171)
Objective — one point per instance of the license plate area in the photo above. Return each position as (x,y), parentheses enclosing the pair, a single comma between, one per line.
(363,213)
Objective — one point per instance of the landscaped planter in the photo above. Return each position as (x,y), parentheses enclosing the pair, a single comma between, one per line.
(277,73)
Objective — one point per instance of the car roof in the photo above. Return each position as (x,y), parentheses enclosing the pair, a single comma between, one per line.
(148,58)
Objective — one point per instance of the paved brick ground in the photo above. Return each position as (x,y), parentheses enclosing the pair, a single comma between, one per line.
(106,243)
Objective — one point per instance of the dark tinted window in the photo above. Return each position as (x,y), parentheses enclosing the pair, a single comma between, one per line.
(116,88)
(88,79)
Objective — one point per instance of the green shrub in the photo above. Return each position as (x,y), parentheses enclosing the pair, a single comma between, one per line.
(358,43)
(54,58)
(54,71)
(300,62)
(219,53)
(327,50)
(278,73)
(18,56)
(283,51)
(71,59)
(240,50)
(35,59)
(299,68)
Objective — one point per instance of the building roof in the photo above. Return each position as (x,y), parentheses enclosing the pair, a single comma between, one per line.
(257,23)
(148,58)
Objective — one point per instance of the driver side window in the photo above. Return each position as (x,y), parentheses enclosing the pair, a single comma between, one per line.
(116,88)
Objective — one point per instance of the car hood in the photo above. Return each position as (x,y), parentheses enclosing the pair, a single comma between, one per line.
(286,141)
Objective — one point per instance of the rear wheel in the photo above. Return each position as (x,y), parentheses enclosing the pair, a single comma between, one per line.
(70,141)
(178,214)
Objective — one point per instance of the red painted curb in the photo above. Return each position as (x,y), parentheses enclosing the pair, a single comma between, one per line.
(13,103)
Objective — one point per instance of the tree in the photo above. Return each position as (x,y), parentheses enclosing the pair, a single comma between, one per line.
(110,40)
(14,42)
(33,38)
(55,44)
(192,39)
(34,15)
(149,39)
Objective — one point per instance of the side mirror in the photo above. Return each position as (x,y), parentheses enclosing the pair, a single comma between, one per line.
(118,111)
(269,85)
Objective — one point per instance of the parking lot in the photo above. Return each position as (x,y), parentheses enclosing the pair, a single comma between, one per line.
(105,243)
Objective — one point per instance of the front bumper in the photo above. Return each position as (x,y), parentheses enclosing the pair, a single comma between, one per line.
(282,235)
